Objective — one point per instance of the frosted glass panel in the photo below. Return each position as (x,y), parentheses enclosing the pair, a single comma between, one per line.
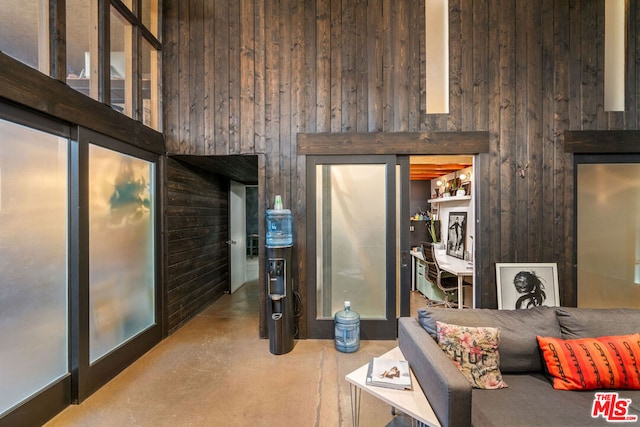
(351,239)
(121,243)
(33,262)
(608,235)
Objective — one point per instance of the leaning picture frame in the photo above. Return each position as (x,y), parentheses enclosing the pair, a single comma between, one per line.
(457,234)
(527,285)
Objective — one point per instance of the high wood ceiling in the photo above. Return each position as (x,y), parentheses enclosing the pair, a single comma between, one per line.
(424,168)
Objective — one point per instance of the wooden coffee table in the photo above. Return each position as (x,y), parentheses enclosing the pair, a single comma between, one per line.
(411,402)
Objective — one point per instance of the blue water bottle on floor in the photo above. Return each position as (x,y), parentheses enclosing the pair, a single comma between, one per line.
(347,329)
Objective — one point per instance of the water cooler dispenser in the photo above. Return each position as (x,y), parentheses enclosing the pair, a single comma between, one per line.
(280,307)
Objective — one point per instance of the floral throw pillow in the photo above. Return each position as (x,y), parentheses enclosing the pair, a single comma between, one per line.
(474,350)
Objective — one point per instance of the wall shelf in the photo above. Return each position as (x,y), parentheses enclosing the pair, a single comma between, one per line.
(449,199)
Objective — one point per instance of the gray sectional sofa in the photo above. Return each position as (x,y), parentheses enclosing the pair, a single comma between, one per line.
(530,399)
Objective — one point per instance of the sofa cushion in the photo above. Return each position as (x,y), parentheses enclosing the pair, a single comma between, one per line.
(611,362)
(474,350)
(530,400)
(597,322)
(518,330)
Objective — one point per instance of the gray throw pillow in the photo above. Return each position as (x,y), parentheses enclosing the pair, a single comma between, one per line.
(518,330)
(597,322)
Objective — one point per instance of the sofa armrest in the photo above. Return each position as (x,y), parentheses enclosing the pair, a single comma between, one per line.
(446,388)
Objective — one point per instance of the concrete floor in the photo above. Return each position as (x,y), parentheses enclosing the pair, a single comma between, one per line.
(215,371)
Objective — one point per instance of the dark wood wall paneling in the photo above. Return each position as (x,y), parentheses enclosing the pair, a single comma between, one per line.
(197,228)
(247,77)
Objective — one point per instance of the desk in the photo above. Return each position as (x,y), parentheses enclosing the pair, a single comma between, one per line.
(454,266)
(411,402)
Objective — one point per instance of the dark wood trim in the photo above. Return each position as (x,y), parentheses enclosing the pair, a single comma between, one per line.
(104,49)
(602,141)
(393,143)
(58,40)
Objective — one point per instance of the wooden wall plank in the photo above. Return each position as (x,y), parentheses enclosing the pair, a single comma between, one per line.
(375,66)
(196,76)
(272,96)
(589,62)
(480,58)
(221,95)
(414,65)
(323,66)
(631,84)
(247,77)
(388,66)
(284,142)
(335,66)
(575,64)
(171,80)
(548,140)
(234,78)
(507,121)
(519,184)
(361,68)
(310,67)
(259,96)
(561,120)
(209,88)
(348,81)
(399,39)
(534,135)
(185,144)
(454,118)
(467,72)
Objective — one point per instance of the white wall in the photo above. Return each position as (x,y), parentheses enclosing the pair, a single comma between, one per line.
(448,205)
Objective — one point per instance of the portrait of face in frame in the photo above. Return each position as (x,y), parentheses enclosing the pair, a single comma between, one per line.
(527,285)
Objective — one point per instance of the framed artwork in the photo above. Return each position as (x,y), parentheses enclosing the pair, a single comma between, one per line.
(457,234)
(466,186)
(527,285)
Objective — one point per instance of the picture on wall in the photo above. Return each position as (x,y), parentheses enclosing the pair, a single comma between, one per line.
(527,285)
(457,234)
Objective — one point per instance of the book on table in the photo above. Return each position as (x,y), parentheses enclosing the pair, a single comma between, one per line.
(390,373)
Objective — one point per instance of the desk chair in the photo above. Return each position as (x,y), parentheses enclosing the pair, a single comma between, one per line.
(445,281)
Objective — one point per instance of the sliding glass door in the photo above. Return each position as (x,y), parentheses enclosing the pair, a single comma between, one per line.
(80,294)
(34,334)
(608,230)
(352,242)
(118,291)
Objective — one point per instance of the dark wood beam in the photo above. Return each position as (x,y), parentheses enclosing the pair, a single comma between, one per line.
(393,143)
(594,141)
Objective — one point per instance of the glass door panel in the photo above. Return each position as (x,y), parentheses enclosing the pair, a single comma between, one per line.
(351,239)
(121,249)
(33,261)
(608,234)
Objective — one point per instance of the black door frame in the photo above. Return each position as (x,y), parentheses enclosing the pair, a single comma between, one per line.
(369,328)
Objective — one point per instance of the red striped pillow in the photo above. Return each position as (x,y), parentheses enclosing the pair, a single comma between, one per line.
(593,363)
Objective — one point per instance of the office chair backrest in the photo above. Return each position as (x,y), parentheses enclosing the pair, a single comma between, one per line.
(433,271)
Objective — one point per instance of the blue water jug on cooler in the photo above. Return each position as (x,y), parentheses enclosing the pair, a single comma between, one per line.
(347,329)
(279,230)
